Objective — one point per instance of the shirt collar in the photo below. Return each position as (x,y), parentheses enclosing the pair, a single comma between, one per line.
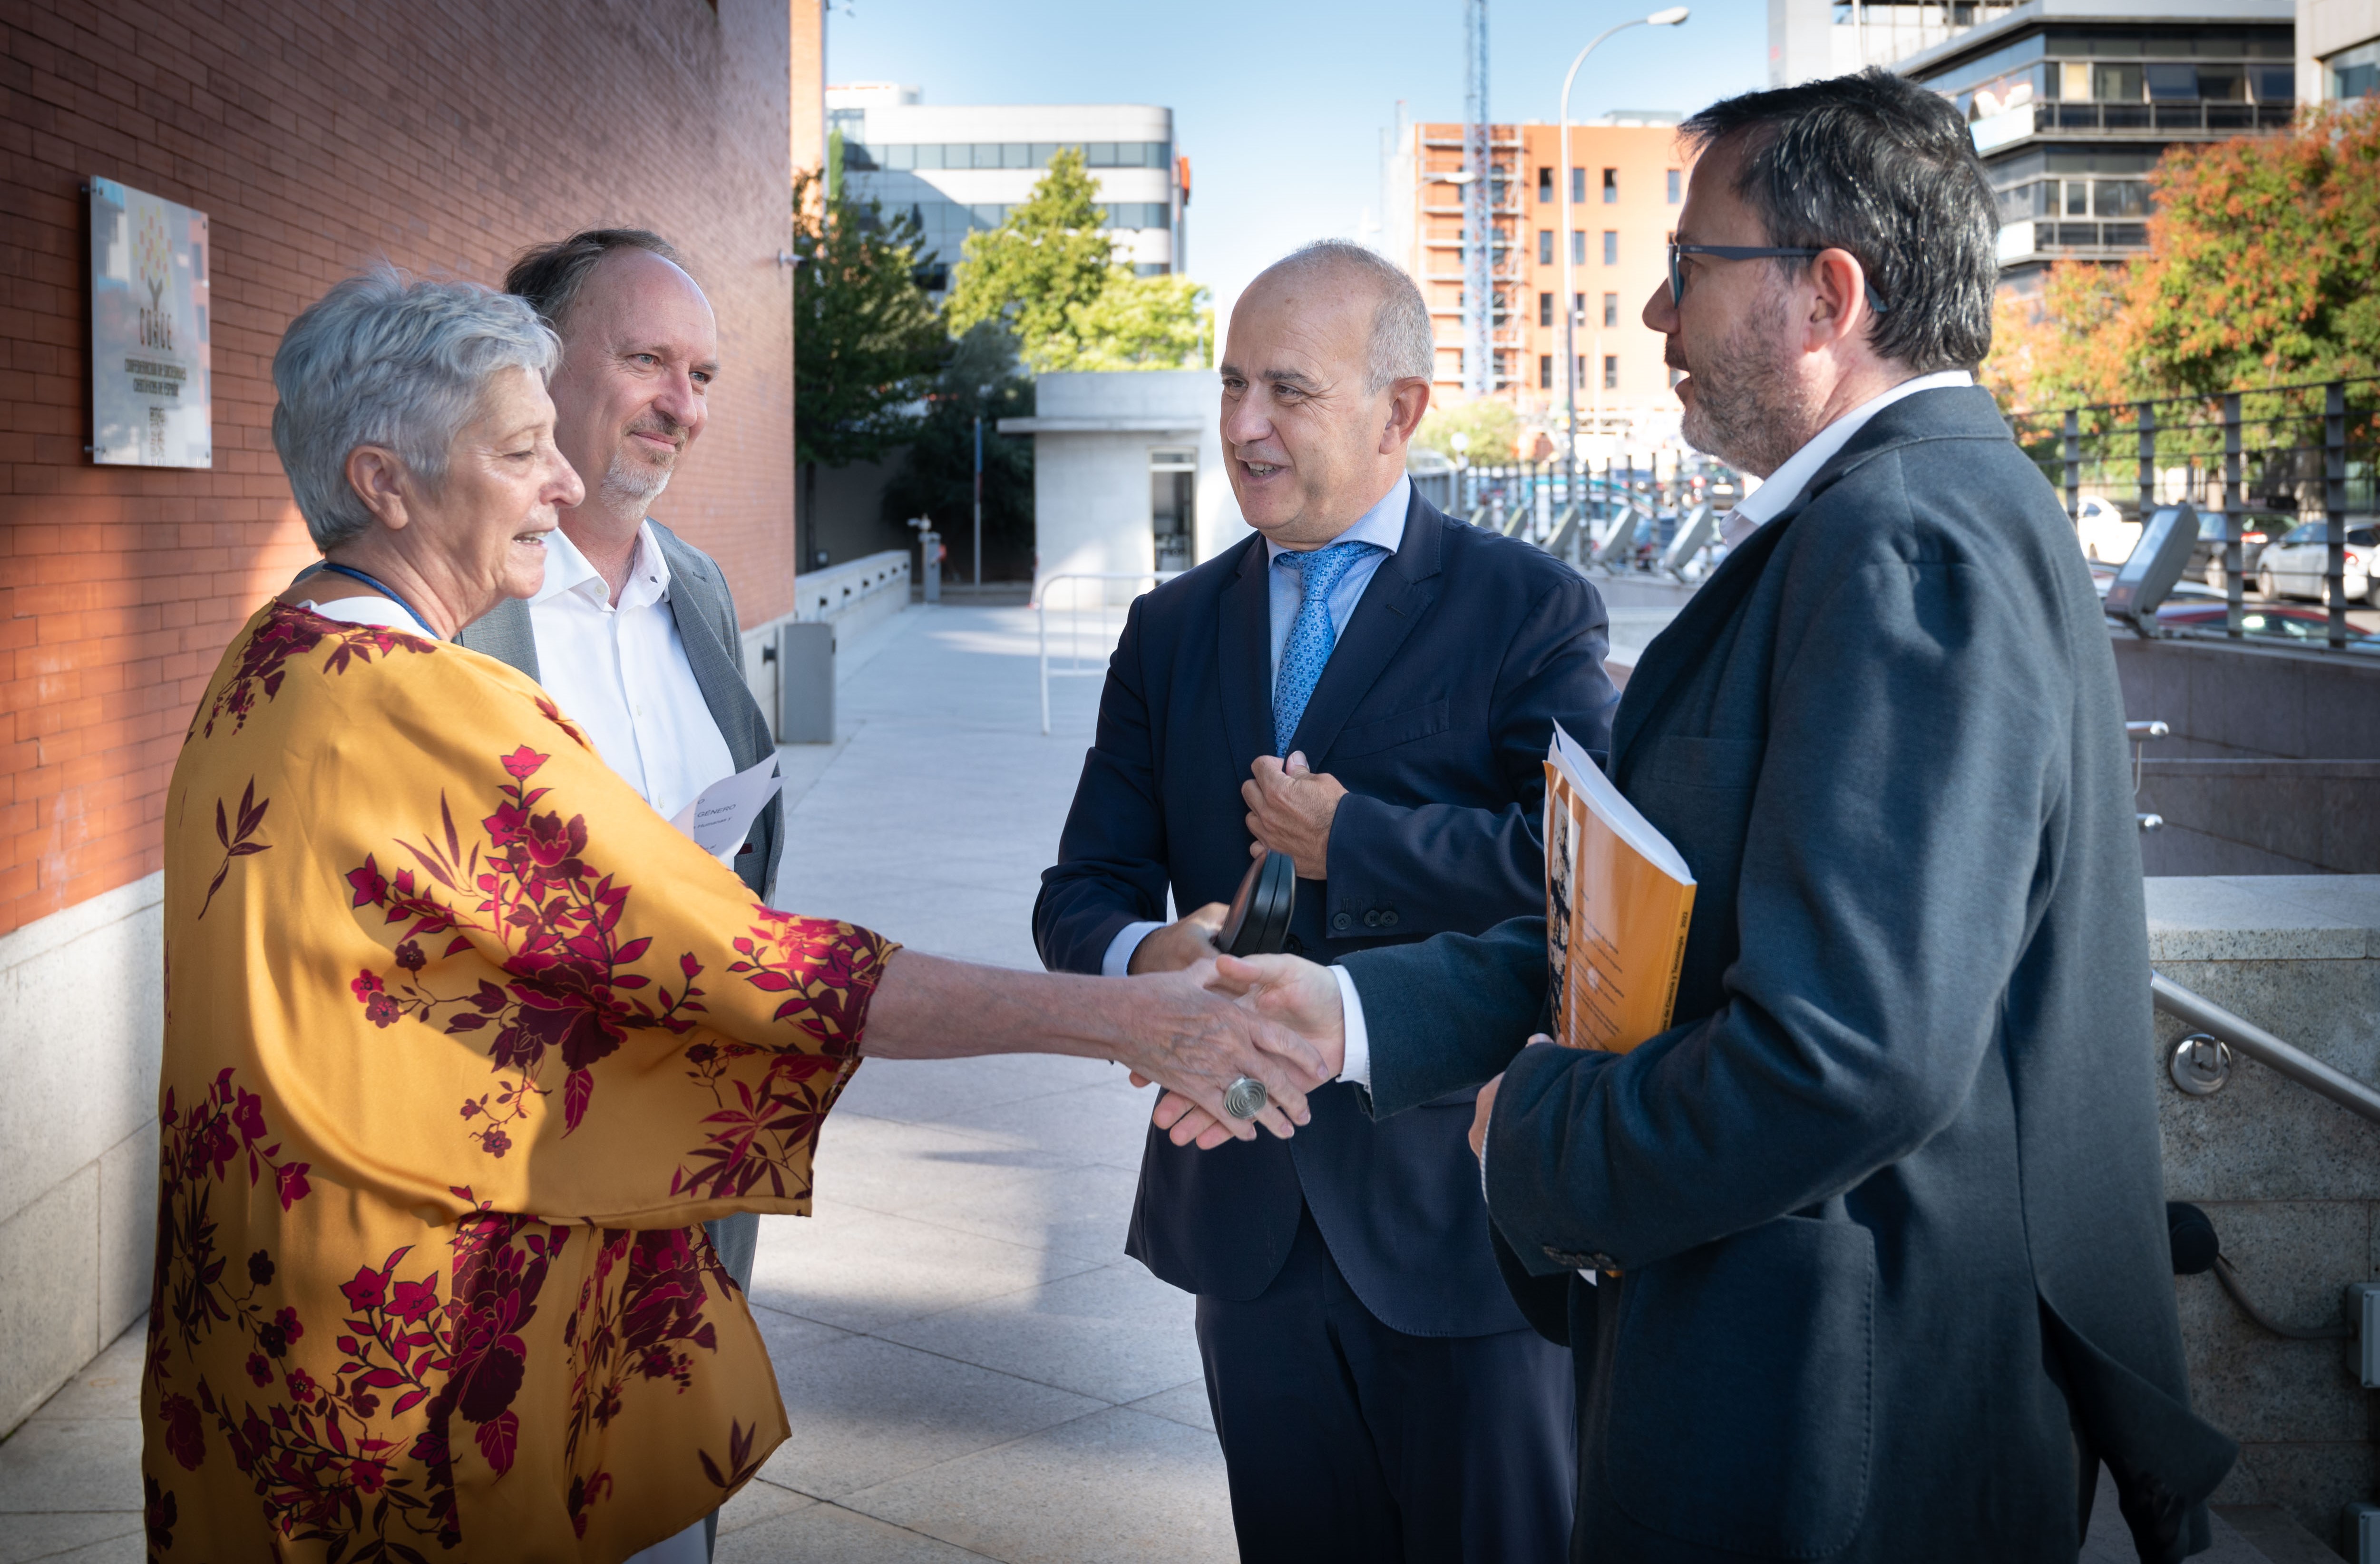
(567,569)
(1382,526)
(1764,502)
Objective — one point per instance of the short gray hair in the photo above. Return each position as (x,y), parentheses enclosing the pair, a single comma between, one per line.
(1402,346)
(383,360)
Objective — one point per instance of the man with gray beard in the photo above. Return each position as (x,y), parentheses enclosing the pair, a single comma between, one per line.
(635,632)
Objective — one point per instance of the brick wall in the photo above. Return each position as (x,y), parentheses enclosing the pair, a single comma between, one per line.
(442,135)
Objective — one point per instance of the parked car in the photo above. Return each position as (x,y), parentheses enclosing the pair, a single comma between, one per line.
(2293,567)
(2287,620)
(2108,528)
(2258,528)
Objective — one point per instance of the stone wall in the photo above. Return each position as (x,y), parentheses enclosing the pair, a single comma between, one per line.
(2291,1180)
(81,1013)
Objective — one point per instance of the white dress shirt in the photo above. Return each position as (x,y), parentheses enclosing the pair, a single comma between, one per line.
(1758,507)
(1384,525)
(621,674)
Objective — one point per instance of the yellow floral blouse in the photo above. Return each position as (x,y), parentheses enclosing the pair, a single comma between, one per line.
(462,1040)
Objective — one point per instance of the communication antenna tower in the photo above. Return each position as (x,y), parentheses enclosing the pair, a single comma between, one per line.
(1479,199)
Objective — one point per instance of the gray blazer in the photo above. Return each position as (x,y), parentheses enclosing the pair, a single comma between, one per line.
(705,612)
(1886,1201)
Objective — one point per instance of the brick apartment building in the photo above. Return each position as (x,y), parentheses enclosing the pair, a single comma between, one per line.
(1627,176)
(443,137)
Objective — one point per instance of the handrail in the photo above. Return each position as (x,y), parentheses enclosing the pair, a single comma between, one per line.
(2205,1015)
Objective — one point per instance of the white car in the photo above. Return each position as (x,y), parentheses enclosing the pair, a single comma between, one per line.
(2293,567)
(2106,529)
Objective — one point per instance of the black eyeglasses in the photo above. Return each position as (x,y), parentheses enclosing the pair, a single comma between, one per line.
(1748,252)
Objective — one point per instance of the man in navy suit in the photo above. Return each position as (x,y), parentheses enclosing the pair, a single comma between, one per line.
(1369,686)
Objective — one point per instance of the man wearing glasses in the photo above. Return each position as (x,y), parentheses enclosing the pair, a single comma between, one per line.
(1864,1258)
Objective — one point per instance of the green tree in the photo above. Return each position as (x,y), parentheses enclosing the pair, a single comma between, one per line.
(2262,268)
(1163,323)
(936,475)
(1493,430)
(1033,270)
(866,342)
(1050,274)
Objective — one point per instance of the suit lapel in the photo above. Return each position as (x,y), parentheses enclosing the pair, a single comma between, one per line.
(1244,655)
(723,690)
(505,633)
(1405,585)
(1684,638)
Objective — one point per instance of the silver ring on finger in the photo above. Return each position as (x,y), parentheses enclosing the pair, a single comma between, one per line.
(1245,1097)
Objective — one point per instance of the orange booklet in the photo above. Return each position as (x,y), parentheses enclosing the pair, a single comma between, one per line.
(1618,900)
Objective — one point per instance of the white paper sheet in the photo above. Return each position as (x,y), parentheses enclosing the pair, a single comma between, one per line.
(722,817)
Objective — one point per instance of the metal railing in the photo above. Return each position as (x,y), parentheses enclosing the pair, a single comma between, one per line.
(2310,450)
(2203,1015)
(1108,624)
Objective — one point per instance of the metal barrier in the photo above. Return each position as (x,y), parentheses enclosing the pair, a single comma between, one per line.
(1072,655)
(2197,1071)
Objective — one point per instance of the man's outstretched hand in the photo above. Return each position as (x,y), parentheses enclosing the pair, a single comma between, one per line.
(1289,992)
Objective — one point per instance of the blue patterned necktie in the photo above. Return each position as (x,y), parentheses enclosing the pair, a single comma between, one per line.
(1310,635)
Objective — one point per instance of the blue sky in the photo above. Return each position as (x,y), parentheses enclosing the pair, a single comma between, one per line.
(1281,107)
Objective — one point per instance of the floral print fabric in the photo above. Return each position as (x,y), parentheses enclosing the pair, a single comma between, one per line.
(462,1042)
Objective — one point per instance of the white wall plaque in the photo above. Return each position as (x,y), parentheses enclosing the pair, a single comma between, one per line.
(151,398)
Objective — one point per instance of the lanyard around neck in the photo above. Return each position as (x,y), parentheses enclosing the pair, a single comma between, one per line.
(355,574)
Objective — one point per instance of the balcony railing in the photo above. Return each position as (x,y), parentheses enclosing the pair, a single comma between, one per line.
(2164,119)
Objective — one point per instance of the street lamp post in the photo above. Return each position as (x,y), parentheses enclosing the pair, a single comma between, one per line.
(1670,17)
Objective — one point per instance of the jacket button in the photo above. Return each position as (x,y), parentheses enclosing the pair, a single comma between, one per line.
(1387,917)
(1340,920)
(1372,919)
(1294,946)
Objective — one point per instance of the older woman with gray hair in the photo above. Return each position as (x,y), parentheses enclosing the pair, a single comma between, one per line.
(463,1041)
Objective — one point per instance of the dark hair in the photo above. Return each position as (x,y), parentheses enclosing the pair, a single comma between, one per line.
(550,276)
(1880,166)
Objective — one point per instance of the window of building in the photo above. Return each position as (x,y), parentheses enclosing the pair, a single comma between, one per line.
(1612,186)
(1545,247)
(1577,245)
(1610,247)
(1578,186)
(1578,370)
(1611,310)
(1545,186)
(1500,356)
(1578,307)
(1676,181)
(2353,72)
(1611,371)
(1545,371)
(2116,84)
(1545,309)
(1172,504)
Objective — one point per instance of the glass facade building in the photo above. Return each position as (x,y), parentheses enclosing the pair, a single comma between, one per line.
(2071,119)
(957,170)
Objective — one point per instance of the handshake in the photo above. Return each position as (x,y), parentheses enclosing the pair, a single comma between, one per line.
(1289,1007)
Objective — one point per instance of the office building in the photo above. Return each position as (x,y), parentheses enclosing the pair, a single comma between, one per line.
(1627,180)
(2338,50)
(959,168)
(2071,102)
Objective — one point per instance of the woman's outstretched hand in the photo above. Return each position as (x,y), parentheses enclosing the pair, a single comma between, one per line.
(1288,992)
(1187,1031)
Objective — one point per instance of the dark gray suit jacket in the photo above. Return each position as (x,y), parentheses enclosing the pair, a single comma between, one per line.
(705,612)
(1886,1199)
